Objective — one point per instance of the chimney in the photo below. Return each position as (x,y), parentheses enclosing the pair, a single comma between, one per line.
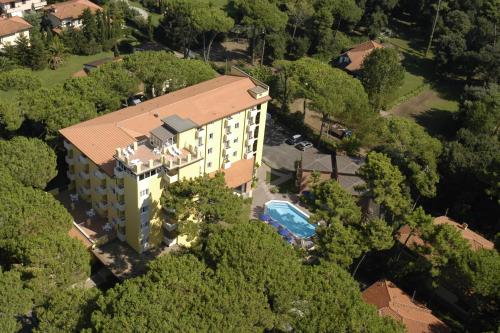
(465,226)
(135,145)
(119,152)
(150,164)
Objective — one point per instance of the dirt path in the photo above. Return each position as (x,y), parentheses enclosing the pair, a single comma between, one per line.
(416,105)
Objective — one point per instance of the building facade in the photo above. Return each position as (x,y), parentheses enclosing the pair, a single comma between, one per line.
(19,7)
(11,28)
(122,161)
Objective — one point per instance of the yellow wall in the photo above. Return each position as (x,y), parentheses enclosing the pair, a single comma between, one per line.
(262,129)
(132,225)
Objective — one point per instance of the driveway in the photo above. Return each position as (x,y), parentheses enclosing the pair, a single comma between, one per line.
(277,154)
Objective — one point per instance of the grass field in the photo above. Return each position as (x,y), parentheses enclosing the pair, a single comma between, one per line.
(49,77)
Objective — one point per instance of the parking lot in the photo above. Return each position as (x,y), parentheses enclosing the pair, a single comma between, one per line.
(277,154)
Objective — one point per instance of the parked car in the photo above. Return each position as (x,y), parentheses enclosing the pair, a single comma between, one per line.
(294,139)
(304,145)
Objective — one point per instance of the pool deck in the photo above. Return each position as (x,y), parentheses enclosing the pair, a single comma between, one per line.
(262,194)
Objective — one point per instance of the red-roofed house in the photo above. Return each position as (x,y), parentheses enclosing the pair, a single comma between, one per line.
(392,302)
(11,28)
(68,13)
(352,60)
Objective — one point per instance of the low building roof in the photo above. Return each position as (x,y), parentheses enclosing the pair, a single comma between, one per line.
(346,172)
(99,62)
(358,53)
(203,103)
(12,25)
(395,303)
(239,173)
(312,161)
(475,240)
(162,133)
(72,9)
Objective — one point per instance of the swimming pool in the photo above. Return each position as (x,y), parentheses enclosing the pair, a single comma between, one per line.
(290,217)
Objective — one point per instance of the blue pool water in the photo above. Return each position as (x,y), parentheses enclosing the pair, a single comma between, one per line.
(291,218)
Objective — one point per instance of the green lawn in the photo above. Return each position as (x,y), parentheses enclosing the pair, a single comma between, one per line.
(73,64)
(155,17)
(49,77)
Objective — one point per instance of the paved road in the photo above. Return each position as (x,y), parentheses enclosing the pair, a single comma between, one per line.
(277,154)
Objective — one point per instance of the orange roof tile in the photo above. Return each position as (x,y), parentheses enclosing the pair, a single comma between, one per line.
(393,302)
(239,173)
(77,234)
(475,240)
(358,53)
(72,9)
(12,25)
(203,103)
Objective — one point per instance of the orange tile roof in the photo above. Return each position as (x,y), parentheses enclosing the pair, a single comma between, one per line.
(475,240)
(12,25)
(77,234)
(393,302)
(358,53)
(72,9)
(239,173)
(203,103)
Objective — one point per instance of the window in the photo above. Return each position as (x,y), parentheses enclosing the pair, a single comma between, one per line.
(234,154)
(144,209)
(211,136)
(210,150)
(259,106)
(235,140)
(237,125)
(144,193)
(209,164)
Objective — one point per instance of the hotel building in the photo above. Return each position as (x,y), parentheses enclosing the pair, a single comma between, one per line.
(121,162)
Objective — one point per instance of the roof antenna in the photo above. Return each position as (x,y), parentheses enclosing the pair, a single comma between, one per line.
(413,296)
(446,213)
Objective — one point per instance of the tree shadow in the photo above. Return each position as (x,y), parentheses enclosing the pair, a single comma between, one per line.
(438,123)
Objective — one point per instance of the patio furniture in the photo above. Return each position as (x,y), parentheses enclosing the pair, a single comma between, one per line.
(274,224)
(107,227)
(265,217)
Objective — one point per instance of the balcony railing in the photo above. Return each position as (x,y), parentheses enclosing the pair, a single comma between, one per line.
(120,235)
(99,175)
(71,176)
(119,189)
(229,122)
(170,179)
(249,155)
(101,190)
(169,226)
(119,221)
(251,127)
(119,205)
(226,165)
(228,136)
(119,173)
(250,141)
(253,113)
(83,159)
(69,160)
(200,133)
(84,175)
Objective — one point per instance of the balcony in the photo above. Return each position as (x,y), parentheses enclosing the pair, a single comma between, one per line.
(200,144)
(67,145)
(170,179)
(228,150)
(118,173)
(83,159)
(71,176)
(69,160)
(119,221)
(169,226)
(102,205)
(229,121)
(253,113)
(99,175)
(229,136)
(169,241)
(249,155)
(119,189)
(84,175)
(120,235)
(101,190)
(226,165)
(251,128)
(200,133)
(251,141)
(119,206)
(86,190)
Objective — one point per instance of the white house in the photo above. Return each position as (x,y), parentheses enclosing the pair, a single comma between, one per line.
(11,28)
(68,13)
(18,7)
